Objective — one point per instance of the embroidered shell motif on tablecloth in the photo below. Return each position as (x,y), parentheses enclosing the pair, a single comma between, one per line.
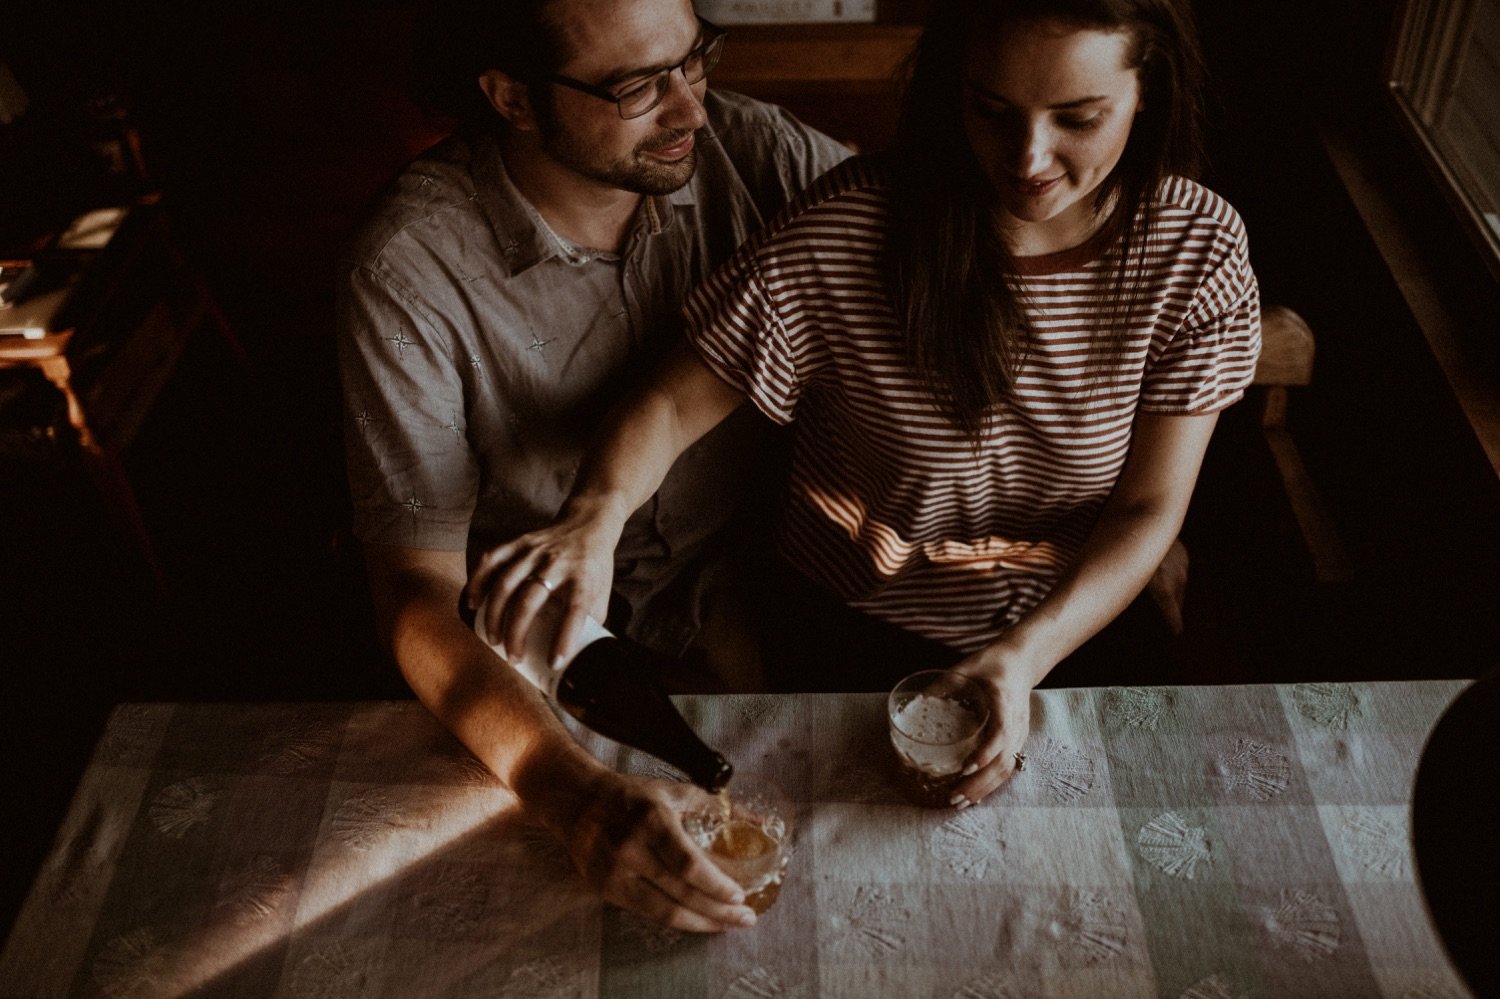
(1331,705)
(991,985)
(1067,773)
(1304,923)
(133,964)
(1139,707)
(300,749)
(332,972)
(544,978)
(1381,847)
(874,926)
(653,938)
(463,769)
(452,906)
(756,709)
(1091,929)
(363,820)
(1173,846)
(969,842)
(132,729)
(1214,987)
(1255,769)
(252,891)
(762,983)
(185,805)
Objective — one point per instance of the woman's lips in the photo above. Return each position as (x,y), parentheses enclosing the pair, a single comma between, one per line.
(1034,188)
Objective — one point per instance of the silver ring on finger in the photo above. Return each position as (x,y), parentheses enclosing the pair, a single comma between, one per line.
(549,587)
(1020,762)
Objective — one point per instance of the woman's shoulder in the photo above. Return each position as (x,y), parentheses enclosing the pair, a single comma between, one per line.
(1180,199)
(845,206)
(859,180)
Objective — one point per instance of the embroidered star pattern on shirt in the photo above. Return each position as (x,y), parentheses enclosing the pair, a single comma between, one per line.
(401,342)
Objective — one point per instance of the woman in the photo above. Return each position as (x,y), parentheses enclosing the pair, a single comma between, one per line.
(1002,350)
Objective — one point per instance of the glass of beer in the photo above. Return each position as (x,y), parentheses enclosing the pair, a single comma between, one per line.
(747,831)
(937,718)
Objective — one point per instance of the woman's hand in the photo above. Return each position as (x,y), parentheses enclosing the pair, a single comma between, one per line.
(570,562)
(995,761)
(628,843)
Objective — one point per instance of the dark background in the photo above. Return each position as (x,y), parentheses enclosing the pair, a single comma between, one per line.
(269,127)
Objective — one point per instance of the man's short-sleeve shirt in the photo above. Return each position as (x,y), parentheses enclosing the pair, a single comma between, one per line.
(478,349)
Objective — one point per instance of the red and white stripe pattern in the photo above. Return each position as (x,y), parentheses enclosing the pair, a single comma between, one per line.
(890,505)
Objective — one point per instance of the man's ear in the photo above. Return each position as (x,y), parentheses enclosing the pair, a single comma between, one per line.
(510,97)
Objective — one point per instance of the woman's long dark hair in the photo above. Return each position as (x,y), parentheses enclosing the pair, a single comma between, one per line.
(951,275)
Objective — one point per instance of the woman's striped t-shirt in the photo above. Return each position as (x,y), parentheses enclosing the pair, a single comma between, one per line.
(889,504)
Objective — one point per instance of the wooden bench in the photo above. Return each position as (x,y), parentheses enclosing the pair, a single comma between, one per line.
(1286,362)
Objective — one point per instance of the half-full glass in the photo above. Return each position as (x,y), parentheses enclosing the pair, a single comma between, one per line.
(747,831)
(937,718)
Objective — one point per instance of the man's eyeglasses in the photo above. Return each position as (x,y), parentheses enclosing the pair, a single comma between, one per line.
(639,96)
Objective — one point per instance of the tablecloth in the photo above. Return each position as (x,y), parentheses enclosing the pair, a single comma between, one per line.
(1194,842)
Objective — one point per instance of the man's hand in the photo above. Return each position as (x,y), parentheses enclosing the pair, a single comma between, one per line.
(570,562)
(628,843)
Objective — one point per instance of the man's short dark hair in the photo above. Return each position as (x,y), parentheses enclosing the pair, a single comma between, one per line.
(457,40)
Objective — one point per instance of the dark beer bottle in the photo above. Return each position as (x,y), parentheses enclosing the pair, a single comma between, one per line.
(610,684)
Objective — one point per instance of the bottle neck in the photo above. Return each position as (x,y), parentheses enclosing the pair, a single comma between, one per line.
(535,662)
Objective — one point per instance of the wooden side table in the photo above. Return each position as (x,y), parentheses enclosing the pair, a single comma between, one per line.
(109,341)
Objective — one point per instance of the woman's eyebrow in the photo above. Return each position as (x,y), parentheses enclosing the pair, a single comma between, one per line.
(1079,102)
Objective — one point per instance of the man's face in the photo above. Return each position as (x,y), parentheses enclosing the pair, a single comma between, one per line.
(614,44)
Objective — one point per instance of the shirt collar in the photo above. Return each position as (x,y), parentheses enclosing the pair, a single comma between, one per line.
(525,238)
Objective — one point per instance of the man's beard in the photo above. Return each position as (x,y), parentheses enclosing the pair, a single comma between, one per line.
(635,172)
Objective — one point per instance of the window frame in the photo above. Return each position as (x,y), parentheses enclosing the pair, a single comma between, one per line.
(1427,42)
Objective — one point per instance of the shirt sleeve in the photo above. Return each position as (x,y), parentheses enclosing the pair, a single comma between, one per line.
(733,323)
(804,154)
(413,480)
(776,154)
(1210,360)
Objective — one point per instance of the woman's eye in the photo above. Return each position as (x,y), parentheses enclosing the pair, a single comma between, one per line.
(1081,124)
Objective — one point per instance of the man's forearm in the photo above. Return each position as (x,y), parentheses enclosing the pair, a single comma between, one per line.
(488,706)
(644,436)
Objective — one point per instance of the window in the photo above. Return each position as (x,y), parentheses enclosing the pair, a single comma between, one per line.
(1444,76)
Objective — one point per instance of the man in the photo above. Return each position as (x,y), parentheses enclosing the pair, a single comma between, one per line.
(503,293)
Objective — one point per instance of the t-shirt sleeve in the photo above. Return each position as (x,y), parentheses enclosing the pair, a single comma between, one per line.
(1210,359)
(733,323)
(413,480)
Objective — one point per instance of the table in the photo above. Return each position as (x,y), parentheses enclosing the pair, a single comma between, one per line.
(109,340)
(1197,842)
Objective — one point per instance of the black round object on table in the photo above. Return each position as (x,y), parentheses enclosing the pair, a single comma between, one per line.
(1456,832)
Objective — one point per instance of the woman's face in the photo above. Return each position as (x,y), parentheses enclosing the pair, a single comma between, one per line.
(1048,108)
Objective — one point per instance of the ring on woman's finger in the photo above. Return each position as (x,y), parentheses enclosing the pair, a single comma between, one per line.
(545,585)
(1020,762)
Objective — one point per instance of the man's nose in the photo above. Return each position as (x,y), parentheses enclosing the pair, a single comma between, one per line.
(681,108)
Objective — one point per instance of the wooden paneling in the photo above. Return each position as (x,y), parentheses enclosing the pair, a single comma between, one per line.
(844,79)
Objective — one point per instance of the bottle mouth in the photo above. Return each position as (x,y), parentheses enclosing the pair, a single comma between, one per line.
(714,779)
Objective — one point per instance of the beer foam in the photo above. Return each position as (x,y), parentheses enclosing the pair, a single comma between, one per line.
(937,732)
(935,720)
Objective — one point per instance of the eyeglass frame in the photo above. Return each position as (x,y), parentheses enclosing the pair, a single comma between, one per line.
(714,44)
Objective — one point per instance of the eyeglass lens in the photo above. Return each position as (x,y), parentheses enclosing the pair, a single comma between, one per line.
(694,68)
